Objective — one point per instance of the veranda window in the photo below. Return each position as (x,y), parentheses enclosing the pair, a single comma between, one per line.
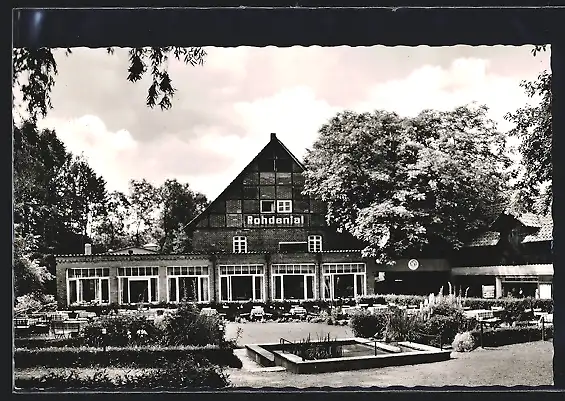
(293,281)
(88,285)
(344,280)
(241,283)
(188,283)
(139,284)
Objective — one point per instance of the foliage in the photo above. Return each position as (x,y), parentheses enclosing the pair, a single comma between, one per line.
(30,278)
(546,305)
(442,326)
(510,335)
(56,194)
(463,342)
(121,331)
(404,186)
(84,192)
(111,228)
(366,324)
(133,357)
(32,303)
(143,203)
(400,326)
(179,205)
(187,326)
(185,373)
(533,129)
(34,72)
(324,348)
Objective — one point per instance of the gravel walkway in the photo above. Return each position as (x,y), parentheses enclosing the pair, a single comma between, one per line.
(528,364)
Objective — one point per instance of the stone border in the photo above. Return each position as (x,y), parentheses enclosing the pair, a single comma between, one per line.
(262,353)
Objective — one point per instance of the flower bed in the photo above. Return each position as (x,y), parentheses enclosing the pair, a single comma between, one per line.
(121,356)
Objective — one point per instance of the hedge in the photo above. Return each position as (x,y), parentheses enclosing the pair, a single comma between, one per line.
(510,335)
(33,343)
(120,357)
(233,308)
(181,374)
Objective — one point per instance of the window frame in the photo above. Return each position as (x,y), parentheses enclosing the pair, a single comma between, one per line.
(330,270)
(274,203)
(122,274)
(79,279)
(259,272)
(315,243)
(239,241)
(281,203)
(306,270)
(202,276)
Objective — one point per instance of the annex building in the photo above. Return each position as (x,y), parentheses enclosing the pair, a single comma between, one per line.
(260,239)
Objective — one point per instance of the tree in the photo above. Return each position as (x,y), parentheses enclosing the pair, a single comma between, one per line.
(39,160)
(179,205)
(110,230)
(409,185)
(143,207)
(34,70)
(55,193)
(85,192)
(30,277)
(533,129)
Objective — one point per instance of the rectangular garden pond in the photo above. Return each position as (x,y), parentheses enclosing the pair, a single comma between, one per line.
(354,354)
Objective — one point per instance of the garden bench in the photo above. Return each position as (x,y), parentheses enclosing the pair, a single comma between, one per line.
(490,322)
(547,320)
(297,311)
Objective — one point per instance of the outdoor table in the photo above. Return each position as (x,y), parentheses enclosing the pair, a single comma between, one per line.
(479,314)
(491,322)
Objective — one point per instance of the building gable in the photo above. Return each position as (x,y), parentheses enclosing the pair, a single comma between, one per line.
(273,175)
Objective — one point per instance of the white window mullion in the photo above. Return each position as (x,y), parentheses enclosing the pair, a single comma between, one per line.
(253,288)
(79,291)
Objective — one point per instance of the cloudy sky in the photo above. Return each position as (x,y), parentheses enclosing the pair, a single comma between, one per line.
(224,111)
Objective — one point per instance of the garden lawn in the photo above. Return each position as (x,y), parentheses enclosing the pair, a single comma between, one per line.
(527,364)
(271,332)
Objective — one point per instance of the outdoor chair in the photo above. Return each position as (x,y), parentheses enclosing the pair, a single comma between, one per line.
(58,329)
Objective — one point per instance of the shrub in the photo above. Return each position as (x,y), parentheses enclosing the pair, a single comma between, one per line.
(463,342)
(188,327)
(121,331)
(366,324)
(446,309)
(400,326)
(438,326)
(34,343)
(181,374)
(120,357)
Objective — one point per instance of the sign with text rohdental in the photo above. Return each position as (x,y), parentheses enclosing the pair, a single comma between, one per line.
(274,221)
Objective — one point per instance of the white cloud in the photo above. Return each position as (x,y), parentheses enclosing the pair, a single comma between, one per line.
(431,87)
(294,114)
(108,153)
(224,111)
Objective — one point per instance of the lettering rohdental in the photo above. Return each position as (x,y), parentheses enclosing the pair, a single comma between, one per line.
(274,221)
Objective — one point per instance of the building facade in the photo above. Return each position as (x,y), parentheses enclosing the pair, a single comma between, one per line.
(263,239)
(512,259)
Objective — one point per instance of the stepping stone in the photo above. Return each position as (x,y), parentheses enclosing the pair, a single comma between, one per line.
(250,365)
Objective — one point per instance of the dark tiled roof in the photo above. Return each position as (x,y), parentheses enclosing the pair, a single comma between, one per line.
(545,233)
(490,238)
(529,220)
